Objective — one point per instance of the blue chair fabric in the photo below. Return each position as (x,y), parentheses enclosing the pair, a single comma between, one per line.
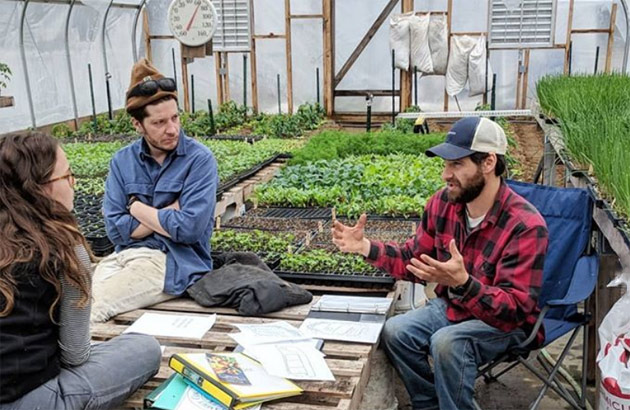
(569,277)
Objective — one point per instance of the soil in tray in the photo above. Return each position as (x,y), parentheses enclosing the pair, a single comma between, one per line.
(396,225)
(385,236)
(274,224)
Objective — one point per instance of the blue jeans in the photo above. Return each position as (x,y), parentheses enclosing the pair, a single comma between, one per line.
(115,370)
(456,348)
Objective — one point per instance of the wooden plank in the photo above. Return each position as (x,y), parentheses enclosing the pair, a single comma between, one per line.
(226,76)
(365,41)
(406,76)
(298,312)
(253,63)
(184,72)
(162,37)
(329,59)
(519,79)
(590,30)
(6,101)
(306,16)
(469,33)
(363,93)
(217,74)
(567,42)
(147,34)
(525,79)
(289,58)
(449,16)
(268,36)
(611,38)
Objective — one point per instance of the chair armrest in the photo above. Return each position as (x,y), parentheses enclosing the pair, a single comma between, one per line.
(582,283)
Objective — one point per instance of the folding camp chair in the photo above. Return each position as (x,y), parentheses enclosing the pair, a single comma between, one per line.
(569,277)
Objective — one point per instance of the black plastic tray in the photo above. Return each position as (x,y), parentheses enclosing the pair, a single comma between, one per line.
(335,278)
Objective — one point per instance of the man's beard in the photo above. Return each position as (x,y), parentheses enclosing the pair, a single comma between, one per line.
(470,192)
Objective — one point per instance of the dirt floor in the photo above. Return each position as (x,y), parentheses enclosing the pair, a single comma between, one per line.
(529,140)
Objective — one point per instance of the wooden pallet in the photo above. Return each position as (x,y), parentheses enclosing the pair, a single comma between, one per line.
(349,362)
(233,199)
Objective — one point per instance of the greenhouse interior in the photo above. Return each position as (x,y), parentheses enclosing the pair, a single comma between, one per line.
(314,204)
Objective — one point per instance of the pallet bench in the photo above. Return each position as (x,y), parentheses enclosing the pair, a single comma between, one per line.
(349,362)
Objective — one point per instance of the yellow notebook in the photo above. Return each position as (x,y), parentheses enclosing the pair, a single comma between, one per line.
(250,383)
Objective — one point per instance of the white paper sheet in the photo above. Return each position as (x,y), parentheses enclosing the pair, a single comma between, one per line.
(293,360)
(187,326)
(273,332)
(361,332)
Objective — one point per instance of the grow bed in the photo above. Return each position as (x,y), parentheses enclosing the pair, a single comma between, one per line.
(226,137)
(88,211)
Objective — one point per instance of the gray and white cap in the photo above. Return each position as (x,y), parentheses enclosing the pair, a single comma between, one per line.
(470,135)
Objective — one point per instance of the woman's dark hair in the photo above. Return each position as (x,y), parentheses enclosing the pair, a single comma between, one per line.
(499,168)
(141,113)
(35,228)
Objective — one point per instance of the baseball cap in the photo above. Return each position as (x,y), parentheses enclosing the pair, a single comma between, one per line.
(470,135)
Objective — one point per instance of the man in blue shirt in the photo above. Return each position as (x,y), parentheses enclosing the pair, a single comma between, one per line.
(160,198)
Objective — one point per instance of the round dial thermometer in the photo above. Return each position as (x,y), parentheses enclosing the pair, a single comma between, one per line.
(192,22)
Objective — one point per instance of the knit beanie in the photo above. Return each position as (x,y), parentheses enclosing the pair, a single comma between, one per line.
(142,71)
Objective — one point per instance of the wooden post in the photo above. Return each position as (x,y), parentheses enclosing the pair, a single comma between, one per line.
(525,80)
(252,55)
(217,73)
(611,32)
(449,14)
(405,75)
(226,77)
(568,39)
(328,7)
(147,34)
(287,38)
(185,80)
(519,80)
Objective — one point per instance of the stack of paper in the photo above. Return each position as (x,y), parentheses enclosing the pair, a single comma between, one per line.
(158,324)
(347,318)
(283,351)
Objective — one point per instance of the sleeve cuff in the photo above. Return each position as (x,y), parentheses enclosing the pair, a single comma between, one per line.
(373,255)
(164,216)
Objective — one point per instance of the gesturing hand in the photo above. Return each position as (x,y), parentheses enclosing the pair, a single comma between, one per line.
(350,238)
(450,273)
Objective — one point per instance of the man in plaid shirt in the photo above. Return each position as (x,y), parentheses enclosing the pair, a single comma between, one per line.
(484,246)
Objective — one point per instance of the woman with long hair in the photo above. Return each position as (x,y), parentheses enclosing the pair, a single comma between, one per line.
(46,359)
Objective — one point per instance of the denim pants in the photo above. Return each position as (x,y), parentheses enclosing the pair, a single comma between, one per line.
(115,370)
(456,348)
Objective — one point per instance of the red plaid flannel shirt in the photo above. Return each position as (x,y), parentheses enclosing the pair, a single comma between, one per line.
(504,255)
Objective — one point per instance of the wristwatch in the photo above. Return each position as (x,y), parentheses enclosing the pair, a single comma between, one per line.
(132,199)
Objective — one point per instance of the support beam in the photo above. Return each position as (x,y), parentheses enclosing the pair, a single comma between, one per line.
(217,73)
(611,37)
(567,42)
(363,93)
(449,15)
(365,40)
(268,36)
(328,8)
(525,79)
(253,64)
(306,16)
(147,35)
(185,80)
(405,75)
(287,34)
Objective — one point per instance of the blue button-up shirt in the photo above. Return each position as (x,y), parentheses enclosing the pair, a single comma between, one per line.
(188,174)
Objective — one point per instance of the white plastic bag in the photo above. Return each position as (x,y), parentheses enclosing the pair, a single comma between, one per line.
(457,71)
(614,353)
(419,38)
(399,39)
(477,69)
(438,43)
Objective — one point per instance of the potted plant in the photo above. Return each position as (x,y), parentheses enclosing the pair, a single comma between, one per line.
(5,76)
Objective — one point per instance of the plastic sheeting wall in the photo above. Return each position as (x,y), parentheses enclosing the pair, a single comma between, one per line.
(45,53)
(44,31)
